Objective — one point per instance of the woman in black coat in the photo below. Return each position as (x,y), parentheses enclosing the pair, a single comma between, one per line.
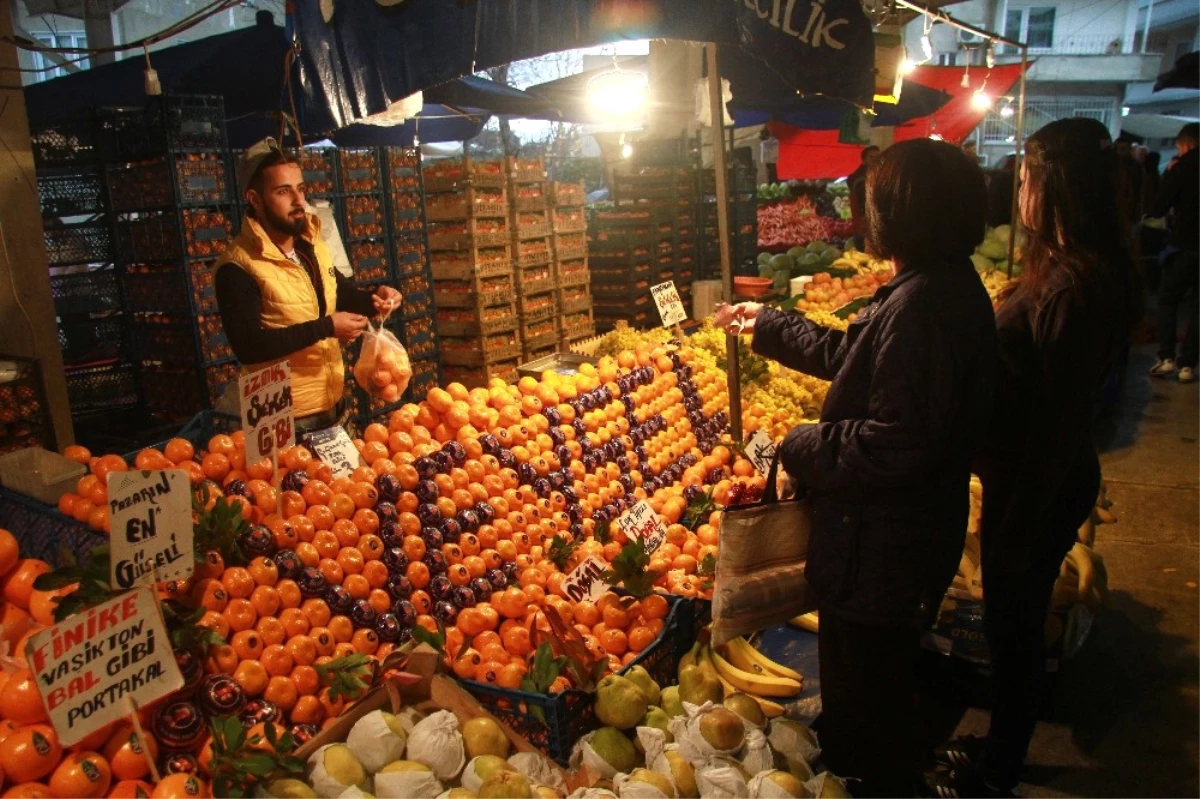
(1061,327)
(888,465)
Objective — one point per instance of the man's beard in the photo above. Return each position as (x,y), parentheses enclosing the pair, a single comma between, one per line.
(291,225)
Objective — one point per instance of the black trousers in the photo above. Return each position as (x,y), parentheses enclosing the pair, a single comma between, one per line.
(1180,275)
(1015,606)
(868,705)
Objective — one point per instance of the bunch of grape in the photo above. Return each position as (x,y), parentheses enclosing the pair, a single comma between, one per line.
(827,319)
(627,339)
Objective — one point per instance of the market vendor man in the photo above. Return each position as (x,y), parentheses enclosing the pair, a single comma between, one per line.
(280,295)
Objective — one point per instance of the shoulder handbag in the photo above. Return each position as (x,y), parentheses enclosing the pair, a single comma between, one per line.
(760,564)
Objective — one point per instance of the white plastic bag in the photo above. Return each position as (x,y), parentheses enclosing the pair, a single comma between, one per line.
(382,368)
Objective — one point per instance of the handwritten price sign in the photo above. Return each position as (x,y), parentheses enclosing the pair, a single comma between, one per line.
(760,449)
(641,523)
(266,402)
(152,533)
(333,446)
(90,665)
(586,581)
(670,307)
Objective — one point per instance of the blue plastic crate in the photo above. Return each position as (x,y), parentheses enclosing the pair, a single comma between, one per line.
(199,430)
(43,532)
(553,723)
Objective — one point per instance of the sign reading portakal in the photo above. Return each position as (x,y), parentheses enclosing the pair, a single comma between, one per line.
(92,667)
(266,403)
(586,581)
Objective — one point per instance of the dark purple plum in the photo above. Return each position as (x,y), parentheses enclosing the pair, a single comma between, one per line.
(526,473)
(443,460)
(390,535)
(445,612)
(485,512)
(237,488)
(429,514)
(426,467)
(303,733)
(436,562)
(432,537)
(542,487)
(339,600)
(481,588)
(490,444)
(388,486)
(288,564)
(295,480)
(553,416)
(398,587)
(258,540)
(468,520)
(440,587)
(363,614)
(497,579)
(395,559)
(312,583)
(456,451)
(451,530)
(386,511)
(426,491)
(387,627)
(463,597)
(405,612)
(511,571)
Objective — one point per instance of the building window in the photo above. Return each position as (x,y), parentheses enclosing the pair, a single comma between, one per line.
(43,61)
(947,59)
(1033,25)
(1000,126)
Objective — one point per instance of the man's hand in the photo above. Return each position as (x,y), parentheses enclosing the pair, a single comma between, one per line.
(387,300)
(737,319)
(348,326)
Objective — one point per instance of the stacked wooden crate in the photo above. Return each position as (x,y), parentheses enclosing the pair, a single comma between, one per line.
(467,210)
(533,257)
(574,293)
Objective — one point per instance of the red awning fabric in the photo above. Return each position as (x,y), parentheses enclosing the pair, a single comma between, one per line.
(816,154)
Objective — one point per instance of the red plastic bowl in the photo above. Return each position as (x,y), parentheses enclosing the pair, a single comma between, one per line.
(751,286)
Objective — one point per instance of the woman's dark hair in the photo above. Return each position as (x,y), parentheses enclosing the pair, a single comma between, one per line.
(926,203)
(1071,208)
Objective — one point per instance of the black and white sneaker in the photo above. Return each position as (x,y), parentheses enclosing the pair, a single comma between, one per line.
(955,785)
(959,754)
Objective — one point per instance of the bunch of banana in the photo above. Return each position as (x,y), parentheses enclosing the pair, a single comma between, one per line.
(740,668)
(810,622)
(1083,577)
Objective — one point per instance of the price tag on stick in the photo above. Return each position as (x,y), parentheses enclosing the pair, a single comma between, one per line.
(586,581)
(333,446)
(641,523)
(760,449)
(670,306)
(151,521)
(266,404)
(89,666)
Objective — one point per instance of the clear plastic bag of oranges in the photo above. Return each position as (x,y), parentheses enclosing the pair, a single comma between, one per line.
(382,368)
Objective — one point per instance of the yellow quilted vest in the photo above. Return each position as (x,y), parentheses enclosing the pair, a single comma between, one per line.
(288,298)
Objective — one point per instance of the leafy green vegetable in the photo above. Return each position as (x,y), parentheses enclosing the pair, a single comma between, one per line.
(219,528)
(629,570)
(183,626)
(242,762)
(348,676)
(561,550)
(93,579)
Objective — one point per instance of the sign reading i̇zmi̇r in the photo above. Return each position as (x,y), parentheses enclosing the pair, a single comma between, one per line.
(266,405)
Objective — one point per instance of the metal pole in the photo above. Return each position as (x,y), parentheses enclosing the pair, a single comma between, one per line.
(1014,222)
(941,16)
(717,117)
(1146,28)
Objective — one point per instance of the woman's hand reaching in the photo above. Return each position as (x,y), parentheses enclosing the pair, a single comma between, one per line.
(737,319)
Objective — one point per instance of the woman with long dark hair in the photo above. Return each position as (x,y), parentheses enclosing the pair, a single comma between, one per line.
(888,465)
(1060,327)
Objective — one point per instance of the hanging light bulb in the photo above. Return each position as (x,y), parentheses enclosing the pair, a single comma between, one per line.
(990,54)
(927,47)
(1006,110)
(981,100)
(627,151)
(966,78)
(907,66)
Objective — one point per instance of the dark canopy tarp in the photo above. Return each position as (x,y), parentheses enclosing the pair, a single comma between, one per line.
(245,67)
(370,55)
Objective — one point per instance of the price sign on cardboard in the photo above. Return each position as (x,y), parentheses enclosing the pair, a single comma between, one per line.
(760,449)
(641,523)
(266,403)
(89,666)
(670,306)
(151,521)
(333,446)
(586,581)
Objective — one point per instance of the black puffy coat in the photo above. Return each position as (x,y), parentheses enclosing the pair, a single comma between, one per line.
(888,465)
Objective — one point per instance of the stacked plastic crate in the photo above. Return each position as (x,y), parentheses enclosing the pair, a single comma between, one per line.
(668,192)
(569,221)
(413,324)
(622,252)
(530,228)
(171,193)
(743,222)
(466,206)
(77,224)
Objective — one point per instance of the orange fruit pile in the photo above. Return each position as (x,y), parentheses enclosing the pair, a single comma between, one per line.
(452,518)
